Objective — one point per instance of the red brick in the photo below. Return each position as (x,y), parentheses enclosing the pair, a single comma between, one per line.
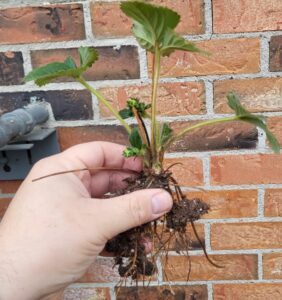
(228,204)
(257,95)
(252,291)
(246,169)
(257,235)
(235,267)
(112,64)
(4,203)
(174,99)
(229,56)
(109,21)
(275,126)
(70,136)
(214,138)
(231,135)
(275,53)
(41,24)
(188,171)
(66,104)
(272,266)
(9,186)
(11,68)
(246,15)
(273,203)
(196,292)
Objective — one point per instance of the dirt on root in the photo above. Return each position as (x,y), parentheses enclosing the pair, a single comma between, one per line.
(129,247)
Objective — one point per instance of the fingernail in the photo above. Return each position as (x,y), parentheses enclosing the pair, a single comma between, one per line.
(161,202)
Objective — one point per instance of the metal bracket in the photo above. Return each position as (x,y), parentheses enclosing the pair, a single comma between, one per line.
(18,157)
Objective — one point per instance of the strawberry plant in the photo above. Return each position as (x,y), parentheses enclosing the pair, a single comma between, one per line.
(154,29)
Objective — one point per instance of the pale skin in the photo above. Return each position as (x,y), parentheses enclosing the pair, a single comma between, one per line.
(55,227)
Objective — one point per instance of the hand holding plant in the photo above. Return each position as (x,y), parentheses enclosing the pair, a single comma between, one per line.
(154,29)
(55,228)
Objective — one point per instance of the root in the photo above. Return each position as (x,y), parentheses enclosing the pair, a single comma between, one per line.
(128,247)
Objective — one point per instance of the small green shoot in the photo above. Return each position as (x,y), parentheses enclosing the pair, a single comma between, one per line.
(137,147)
(140,107)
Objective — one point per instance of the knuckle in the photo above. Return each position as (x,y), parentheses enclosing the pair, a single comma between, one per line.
(44,165)
(137,210)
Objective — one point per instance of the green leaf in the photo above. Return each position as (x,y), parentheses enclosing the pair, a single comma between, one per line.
(132,151)
(166,133)
(173,41)
(49,72)
(87,57)
(135,139)
(68,68)
(154,20)
(258,121)
(153,26)
(70,62)
(126,113)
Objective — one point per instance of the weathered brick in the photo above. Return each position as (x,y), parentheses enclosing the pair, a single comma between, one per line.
(188,171)
(272,266)
(259,235)
(273,203)
(175,243)
(228,204)
(192,292)
(9,186)
(252,291)
(235,267)
(275,126)
(66,105)
(174,99)
(246,15)
(82,293)
(41,24)
(113,63)
(101,271)
(215,137)
(257,95)
(109,21)
(275,53)
(229,56)
(70,136)
(246,169)
(11,68)
(4,203)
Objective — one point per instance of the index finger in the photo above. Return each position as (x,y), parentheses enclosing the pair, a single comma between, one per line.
(102,154)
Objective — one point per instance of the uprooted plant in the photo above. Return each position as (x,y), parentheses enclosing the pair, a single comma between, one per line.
(153,27)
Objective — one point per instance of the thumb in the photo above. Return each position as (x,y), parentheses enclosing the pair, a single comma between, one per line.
(131,210)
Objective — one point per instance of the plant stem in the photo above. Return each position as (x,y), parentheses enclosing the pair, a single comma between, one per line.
(199,125)
(154,127)
(106,103)
(142,128)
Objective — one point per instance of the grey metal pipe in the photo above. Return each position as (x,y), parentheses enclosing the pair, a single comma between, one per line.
(21,121)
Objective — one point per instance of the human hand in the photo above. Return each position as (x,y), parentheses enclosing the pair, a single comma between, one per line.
(55,227)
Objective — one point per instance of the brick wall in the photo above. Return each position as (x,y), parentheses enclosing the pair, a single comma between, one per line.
(242,179)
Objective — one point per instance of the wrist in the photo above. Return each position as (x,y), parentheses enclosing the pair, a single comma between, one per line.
(14,279)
